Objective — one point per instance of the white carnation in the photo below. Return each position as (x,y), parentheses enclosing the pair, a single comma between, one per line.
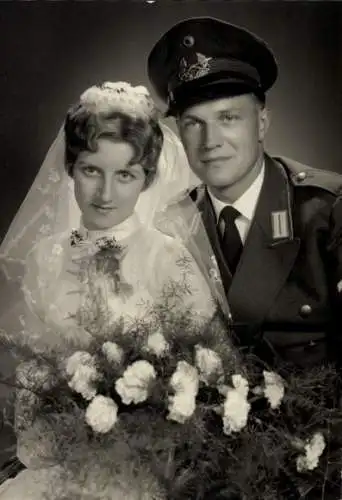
(78,359)
(83,387)
(185,378)
(83,381)
(181,407)
(134,384)
(113,352)
(101,414)
(274,388)
(209,365)
(313,450)
(236,407)
(240,384)
(157,344)
(185,383)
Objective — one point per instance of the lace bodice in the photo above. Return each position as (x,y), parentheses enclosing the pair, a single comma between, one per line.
(62,279)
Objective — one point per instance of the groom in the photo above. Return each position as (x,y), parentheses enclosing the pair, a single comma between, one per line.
(275,225)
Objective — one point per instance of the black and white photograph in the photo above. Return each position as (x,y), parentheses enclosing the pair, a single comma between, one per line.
(171,250)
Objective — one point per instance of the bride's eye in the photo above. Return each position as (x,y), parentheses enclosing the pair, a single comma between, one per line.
(125,175)
(90,171)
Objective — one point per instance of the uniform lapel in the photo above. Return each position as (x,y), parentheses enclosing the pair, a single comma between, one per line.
(210,223)
(269,252)
(201,200)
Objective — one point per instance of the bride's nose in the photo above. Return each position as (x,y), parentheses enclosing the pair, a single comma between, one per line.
(106,190)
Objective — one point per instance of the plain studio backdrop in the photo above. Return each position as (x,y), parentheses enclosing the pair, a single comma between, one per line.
(53,50)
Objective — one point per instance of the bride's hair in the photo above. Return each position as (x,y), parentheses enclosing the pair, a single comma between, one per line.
(83,128)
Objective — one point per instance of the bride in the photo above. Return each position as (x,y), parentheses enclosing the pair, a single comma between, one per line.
(86,231)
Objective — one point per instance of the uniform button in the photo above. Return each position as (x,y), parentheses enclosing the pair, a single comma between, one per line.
(305,310)
(301,176)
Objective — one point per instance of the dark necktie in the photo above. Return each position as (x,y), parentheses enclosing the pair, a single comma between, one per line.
(231,243)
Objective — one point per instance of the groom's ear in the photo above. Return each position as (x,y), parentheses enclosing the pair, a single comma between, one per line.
(264,121)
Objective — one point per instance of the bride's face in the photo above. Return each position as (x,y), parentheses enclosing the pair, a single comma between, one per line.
(106,186)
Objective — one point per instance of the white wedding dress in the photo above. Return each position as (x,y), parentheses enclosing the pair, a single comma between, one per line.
(52,293)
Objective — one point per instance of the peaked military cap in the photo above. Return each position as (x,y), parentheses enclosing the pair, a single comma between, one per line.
(203,58)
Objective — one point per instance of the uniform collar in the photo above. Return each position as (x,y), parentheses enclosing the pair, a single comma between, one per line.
(247,202)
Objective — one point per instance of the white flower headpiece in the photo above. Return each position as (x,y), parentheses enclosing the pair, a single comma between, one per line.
(119,96)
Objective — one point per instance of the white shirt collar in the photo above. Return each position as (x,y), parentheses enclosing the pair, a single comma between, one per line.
(119,232)
(247,202)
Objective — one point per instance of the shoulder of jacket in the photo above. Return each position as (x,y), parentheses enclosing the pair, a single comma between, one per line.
(302,175)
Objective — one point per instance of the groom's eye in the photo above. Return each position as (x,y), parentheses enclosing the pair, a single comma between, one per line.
(190,123)
(228,117)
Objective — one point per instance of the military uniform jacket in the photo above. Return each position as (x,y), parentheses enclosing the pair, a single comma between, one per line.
(287,288)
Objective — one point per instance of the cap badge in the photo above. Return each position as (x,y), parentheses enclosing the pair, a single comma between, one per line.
(188,41)
(201,67)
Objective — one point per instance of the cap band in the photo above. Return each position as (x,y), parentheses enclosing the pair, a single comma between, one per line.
(184,98)
(210,66)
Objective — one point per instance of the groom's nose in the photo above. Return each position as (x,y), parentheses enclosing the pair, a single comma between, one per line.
(211,136)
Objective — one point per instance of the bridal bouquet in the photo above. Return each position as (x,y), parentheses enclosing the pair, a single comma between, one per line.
(170,410)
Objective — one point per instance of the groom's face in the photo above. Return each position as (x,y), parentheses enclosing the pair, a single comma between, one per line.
(107,185)
(223,138)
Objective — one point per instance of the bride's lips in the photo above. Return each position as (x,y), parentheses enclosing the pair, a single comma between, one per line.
(103,209)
